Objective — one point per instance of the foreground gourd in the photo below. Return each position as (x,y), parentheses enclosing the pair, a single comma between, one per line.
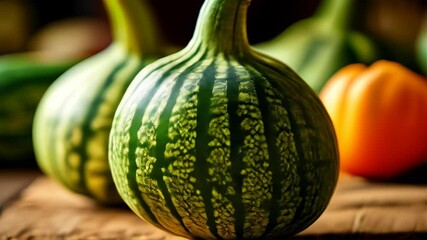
(319,46)
(220,142)
(73,120)
(379,112)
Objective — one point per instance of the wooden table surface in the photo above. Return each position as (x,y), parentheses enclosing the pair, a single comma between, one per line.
(35,207)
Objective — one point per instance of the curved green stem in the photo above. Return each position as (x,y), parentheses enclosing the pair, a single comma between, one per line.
(133,26)
(222,26)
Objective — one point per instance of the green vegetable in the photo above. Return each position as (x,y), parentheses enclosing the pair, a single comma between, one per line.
(24,78)
(219,141)
(74,118)
(421,47)
(318,46)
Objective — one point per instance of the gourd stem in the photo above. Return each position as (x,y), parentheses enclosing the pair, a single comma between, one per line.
(221,27)
(133,26)
(336,14)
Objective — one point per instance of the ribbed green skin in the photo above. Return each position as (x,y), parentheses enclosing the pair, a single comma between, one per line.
(220,142)
(23,81)
(73,121)
(222,148)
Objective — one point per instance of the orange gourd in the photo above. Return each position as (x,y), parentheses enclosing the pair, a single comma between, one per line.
(379,114)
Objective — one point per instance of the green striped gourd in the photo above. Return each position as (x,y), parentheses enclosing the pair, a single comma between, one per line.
(24,78)
(318,46)
(73,120)
(220,142)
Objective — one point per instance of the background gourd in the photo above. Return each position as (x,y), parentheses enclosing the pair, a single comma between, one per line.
(74,118)
(24,78)
(219,141)
(318,46)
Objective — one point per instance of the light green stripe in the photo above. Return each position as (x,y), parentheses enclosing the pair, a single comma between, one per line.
(182,180)
(257,177)
(74,110)
(146,160)
(219,155)
(56,105)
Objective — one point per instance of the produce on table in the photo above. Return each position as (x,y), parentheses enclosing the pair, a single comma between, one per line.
(218,141)
(318,46)
(379,113)
(73,120)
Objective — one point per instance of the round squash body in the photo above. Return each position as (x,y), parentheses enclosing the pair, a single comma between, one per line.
(212,146)
(73,121)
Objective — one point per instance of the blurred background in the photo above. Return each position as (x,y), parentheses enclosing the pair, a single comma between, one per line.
(21,20)
(29,24)
(81,27)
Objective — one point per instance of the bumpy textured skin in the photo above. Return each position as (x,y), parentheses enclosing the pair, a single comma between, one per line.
(216,147)
(220,142)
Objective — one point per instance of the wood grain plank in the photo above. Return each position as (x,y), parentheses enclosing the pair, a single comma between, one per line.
(12,181)
(48,211)
(359,209)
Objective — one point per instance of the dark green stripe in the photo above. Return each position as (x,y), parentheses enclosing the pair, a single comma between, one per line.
(163,138)
(204,118)
(133,132)
(88,132)
(133,145)
(151,69)
(52,139)
(273,151)
(93,110)
(303,171)
(236,143)
(301,166)
(278,75)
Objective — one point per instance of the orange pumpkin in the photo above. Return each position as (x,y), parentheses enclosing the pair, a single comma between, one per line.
(380,117)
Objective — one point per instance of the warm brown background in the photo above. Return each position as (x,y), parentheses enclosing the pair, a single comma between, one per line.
(177,18)
(393,23)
